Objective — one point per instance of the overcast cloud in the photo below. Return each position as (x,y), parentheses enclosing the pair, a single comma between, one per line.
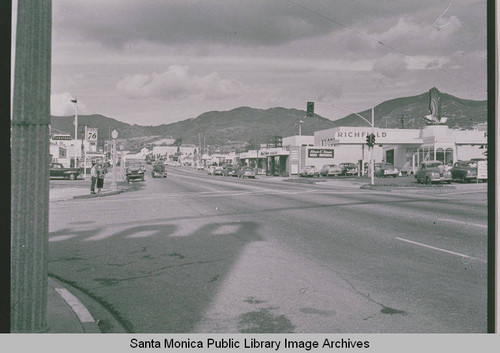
(135,60)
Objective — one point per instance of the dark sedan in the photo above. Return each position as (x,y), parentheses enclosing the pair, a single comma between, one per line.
(464,171)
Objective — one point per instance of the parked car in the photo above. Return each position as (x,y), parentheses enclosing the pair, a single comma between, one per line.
(57,170)
(246,172)
(348,168)
(159,171)
(210,170)
(134,171)
(229,171)
(330,170)
(309,171)
(433,172)
(385,169)
(464,171)
(217,170)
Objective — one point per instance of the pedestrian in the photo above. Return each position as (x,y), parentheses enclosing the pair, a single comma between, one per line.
(101,172)
(93,177)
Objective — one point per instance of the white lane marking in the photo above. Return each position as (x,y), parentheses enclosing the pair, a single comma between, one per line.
(200,186)
(463,222)
(76,305)
(61,237)
(439,249)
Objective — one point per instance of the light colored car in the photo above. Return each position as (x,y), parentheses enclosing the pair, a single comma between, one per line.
(210,170)
(433,172)
(309,171)
(217,170)
(246,172)
(385,169)
(348,168)
(330,170)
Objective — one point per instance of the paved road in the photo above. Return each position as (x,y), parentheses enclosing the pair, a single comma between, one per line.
(198,253)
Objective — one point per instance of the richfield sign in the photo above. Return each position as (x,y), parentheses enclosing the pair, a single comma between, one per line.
(382,136)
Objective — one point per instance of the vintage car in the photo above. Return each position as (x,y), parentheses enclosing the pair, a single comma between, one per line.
(433,172)
(246,172)
(385,169)
(309,171)
(217,170)
(229,170)
(57,170)
(159,171)
(134,171)
(464,171)
(348,168)
(330,170)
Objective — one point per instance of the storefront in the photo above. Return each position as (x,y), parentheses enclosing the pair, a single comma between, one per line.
(405,148)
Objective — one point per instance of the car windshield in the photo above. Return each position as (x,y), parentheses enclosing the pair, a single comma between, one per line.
(434,165)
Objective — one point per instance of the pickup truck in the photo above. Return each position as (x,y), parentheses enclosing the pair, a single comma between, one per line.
(57,170)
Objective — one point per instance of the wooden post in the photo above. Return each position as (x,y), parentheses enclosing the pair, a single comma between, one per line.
(30,167)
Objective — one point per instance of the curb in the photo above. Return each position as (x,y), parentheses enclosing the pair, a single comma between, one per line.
(93,316)
(109,193)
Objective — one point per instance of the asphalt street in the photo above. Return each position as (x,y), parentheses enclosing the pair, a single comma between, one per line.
(199,253)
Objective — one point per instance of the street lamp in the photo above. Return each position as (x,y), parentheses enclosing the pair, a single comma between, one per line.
(114,135)
(76,126)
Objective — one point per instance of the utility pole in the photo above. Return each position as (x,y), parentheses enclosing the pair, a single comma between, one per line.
(30,167)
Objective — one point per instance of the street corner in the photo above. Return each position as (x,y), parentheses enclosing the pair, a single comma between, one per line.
(71,310)
(121,187)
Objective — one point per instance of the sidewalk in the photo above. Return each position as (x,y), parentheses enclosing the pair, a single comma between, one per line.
(68,309)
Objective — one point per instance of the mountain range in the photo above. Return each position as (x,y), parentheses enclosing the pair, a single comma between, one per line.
(246,127)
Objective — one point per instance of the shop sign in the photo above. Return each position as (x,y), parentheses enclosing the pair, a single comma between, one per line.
(482,169)
(320,153)
(61,137)
(92,134)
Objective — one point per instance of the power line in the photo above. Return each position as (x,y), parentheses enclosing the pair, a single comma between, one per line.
(333,20)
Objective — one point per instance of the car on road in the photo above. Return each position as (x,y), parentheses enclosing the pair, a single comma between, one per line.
(134,171)
(229,171)
(57,170)
(348,168)
(330,170)
(159,171)
(433,172)
(210,170)
(246,172)
(382,170)
(217,170)
(309,171)
(464,171)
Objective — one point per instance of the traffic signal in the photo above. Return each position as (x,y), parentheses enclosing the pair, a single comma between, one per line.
(310,109)
(370,140)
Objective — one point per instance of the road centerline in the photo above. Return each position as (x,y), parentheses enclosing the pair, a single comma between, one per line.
(440,249)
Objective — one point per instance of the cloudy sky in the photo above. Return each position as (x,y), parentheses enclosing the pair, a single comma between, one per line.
(160,61)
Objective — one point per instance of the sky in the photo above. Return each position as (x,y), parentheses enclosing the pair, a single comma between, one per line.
(160,61)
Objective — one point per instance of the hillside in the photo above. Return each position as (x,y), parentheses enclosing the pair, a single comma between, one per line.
(247,127)
(461,113)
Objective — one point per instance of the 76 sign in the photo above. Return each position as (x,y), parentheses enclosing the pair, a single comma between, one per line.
(92,134)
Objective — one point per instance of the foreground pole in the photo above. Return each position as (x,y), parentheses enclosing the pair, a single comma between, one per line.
(30,167)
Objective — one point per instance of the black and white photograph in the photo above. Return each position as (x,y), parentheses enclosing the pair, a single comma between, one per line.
(250,167)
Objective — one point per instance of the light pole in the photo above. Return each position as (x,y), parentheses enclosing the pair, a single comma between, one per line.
(114,135)
(76,125)
(372,124)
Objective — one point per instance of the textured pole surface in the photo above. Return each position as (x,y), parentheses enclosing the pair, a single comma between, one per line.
(30,167)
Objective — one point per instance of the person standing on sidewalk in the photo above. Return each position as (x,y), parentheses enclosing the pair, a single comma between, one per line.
(93,177)
(101,172)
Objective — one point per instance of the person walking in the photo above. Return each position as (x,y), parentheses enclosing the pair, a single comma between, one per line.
(93,177)
(101,172)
